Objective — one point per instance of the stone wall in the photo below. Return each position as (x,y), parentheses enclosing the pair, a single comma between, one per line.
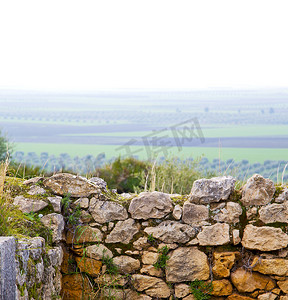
(7,268)
(155,245)
(38,274)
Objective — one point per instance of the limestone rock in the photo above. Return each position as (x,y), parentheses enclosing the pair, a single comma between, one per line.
(264,238)
(82,202)
(283,196)
(56,203)
(169,246)
(187,264)
(238,297)
(77,186)
(36,190)
(133,295)
(221,287)
(246,281)
(141,243)
(126,264)
(55,256)
(99,182)
(223,263)
(130,252)
(154,287)
(177,212)
(267,296)
(149,258)
(276,266)
(230,214)
(27,205)
(111,293)
(150,205)
(151,270)
(274,213)
(189,297)
(35,247)
(56,223)
(123,232)
(98,251)
(107,211)
(89,265)
(109,279)
(33,180)
(194,214)
(171,231)
(182,290)
(257,191)
(205,191)
(214,235)
(85,217)
(283,285)
(75,287)
(84,234)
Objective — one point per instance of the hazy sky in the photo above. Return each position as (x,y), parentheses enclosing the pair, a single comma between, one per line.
(88,45)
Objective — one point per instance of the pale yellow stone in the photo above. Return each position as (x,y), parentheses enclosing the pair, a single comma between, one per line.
(277,266)
(182,290)
(151,270)
(246,281)
(283,285)
(149,258)
(154,287)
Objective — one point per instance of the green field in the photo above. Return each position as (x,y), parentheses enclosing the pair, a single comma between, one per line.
(238,154)
(238,125)
(218,131)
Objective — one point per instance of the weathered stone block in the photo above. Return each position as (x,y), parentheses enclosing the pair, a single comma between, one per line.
(123,232)
(257,191)
(154,287)
(171,232)
(150,205)
(107,211)
(194,214)
(187,264)
(214,235)
(205,191)
(77,186)
(264,238)
(246,281)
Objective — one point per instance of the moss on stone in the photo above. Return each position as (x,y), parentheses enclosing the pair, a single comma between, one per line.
(278,190)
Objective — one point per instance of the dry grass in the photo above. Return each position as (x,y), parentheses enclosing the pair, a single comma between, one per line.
(3,170)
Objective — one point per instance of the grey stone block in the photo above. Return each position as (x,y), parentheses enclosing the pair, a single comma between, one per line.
(7,268)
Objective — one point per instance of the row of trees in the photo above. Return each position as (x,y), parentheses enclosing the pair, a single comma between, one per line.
(120,173)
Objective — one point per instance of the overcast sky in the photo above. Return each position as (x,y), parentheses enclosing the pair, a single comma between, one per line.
(161,44)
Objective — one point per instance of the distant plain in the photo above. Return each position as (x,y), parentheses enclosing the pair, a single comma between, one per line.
(238,125)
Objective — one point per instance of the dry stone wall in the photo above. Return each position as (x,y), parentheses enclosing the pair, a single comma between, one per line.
(155,245)
(38,274)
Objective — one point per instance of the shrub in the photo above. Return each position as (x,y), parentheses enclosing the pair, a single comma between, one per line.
(124,174)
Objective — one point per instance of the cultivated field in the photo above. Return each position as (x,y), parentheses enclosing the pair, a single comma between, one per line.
(237,125)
